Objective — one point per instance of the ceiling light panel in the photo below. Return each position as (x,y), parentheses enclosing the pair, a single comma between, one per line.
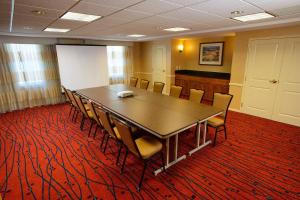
(176,29)
(80,17)
(58,30)
(253,17)
(136,35)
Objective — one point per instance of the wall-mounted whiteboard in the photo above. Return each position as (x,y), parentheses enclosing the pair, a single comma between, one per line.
(82,66)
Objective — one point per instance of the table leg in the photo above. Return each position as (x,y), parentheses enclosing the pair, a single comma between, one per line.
(204,143)
(176,159)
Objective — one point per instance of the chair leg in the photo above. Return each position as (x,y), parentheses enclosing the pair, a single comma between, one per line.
(122,168)
(103,138)
(82,122)
(74,113)
(162,160)
(216,132)
(119,152)
(142,177)
(71,109)
(225,132)
(95,131)
(106,144)
(76,116)
(91,126)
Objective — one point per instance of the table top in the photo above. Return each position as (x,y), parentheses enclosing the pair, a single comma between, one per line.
(159,114)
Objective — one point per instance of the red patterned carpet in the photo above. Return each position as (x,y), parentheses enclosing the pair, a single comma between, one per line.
(43,155)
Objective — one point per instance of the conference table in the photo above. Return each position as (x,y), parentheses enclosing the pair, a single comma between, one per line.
(163,116)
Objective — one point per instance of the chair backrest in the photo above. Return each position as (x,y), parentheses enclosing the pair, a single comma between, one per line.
(222,101)
(66,94)
(175,91)
(93,111)
(196,95)
(158,87)
(71,96)
(81,105)
(126,135)
(106,122)
(133,81)
(144,84)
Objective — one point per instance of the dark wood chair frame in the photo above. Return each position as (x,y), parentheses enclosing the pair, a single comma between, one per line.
(217,128)
(145,161)
(147,83)
(161,83)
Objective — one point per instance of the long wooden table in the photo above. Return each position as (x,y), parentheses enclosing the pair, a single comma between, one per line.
(160,115)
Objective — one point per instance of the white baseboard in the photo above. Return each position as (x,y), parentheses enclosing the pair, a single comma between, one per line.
(235,110)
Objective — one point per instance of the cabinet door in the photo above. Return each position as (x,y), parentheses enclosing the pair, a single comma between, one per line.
(263,68)
(287,105)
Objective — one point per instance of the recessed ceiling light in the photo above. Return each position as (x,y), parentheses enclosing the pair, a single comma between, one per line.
(176,29)
(80,17)
(236,12)
(252,17)
(60,30)
(38,12)
(136,35)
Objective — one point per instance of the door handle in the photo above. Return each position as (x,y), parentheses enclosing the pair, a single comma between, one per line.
(273,81)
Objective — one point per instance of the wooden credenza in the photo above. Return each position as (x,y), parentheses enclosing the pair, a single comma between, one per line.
(210,82)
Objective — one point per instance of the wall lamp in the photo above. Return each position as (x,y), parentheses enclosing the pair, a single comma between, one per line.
(180,48)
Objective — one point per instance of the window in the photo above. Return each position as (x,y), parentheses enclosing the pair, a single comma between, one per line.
(27,64)
(116,63)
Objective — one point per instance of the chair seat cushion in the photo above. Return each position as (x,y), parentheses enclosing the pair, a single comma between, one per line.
(148,146)
(215,121)
(117,133)
(90,114)
(86,107)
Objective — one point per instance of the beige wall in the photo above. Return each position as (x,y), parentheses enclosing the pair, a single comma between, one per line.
(189,58)
(240,56)
(144,60)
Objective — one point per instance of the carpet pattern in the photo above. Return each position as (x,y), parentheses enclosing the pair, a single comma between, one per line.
(43,155)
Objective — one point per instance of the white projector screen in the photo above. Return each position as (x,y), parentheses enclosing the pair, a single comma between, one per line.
(82,66)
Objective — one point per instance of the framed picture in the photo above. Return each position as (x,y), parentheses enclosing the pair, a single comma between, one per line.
(211,53)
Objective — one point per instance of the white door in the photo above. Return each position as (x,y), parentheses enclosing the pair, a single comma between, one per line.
(159,63)
(262,73)
(287,104)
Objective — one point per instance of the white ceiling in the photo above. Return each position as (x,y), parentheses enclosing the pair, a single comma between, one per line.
(147,17)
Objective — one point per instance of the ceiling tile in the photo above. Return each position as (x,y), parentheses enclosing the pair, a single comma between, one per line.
(99,25)
(129,15)
(114,3)
(186,2)
(225,7)
(287,11)
(93,9)
(269,5)
(193,16)
(154,6)
(48,4)
(27,10)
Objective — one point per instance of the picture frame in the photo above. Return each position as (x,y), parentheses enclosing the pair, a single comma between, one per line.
(211,53)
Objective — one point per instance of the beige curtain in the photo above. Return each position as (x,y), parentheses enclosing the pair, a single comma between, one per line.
(29,76)
(119,63)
